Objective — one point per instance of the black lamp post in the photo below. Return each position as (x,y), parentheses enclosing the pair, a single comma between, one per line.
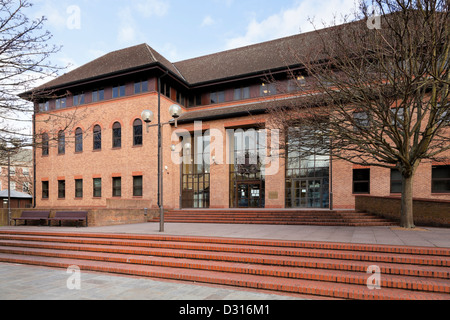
(148,117)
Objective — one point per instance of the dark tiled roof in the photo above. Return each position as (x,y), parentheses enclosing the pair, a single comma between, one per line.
(113,62)
(253,59)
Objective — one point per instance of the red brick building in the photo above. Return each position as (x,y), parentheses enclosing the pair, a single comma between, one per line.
(95,150)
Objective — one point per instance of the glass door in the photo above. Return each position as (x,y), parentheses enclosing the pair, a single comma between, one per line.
(308,193)
(249,195)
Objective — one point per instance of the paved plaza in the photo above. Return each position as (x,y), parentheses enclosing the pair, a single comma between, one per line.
(20,282)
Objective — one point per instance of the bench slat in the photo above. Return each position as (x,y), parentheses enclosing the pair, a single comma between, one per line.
(32,215)
(78,216)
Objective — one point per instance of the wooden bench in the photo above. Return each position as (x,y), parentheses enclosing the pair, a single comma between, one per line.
(78,216)
(32,216)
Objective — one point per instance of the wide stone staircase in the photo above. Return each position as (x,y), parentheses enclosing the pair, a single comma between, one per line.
(276,217)
(311,269)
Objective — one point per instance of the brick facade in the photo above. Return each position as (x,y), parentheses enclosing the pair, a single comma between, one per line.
(70,176)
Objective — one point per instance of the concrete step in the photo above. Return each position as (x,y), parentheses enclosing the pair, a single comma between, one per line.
(326,269)
(388,281)
(336,290)
(7,246)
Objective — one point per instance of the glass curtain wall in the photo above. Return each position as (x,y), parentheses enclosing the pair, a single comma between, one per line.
(307,173)
(247,171)
(195,180)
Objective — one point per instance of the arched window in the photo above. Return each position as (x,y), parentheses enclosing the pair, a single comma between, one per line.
(137,132)
(117,135)
(97,137)
(45,144)
(61,142)
(78,140)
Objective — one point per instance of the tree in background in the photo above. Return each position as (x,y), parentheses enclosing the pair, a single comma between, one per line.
(24,61)
(376,91)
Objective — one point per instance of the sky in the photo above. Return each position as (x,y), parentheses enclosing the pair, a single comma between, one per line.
(177,29)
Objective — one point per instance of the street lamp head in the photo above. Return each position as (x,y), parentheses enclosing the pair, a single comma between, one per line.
(175,111)
(147,116)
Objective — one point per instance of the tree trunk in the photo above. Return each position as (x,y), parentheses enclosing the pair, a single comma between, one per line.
(407,218)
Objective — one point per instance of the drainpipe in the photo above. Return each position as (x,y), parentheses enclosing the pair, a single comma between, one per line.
(34,159)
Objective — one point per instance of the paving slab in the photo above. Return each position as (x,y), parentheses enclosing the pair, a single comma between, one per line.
(21,282)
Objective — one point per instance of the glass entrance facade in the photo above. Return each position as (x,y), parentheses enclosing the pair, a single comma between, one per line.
(307,178)
(195,179)
(247,177)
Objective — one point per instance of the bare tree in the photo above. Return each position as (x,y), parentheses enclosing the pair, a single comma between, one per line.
(24,62)
(377,91)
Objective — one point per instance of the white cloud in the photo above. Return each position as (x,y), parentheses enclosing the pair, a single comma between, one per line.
(150,8)
(56,16)
(207,21)
(127,26)
(291,21)
(129,32)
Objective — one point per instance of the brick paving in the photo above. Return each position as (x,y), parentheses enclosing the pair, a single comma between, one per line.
(242,256)
(289,260)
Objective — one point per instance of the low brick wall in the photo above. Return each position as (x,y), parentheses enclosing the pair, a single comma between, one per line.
(96,217)
(427,212)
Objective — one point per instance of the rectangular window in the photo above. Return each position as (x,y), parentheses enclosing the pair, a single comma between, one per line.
(78,99)
(117,187)
(97,187)
(119,91)
(165,90)
(242,93)
(60,103)
(79,188)
(440,179)
(268,89)
(140,87)
(180,98)
(361,181)
(61,189)
(45,189)
(98,95)
(195,100)
(137,186)
(396,181)
(217,97)
(44,106)
(361,120)
(398,117)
